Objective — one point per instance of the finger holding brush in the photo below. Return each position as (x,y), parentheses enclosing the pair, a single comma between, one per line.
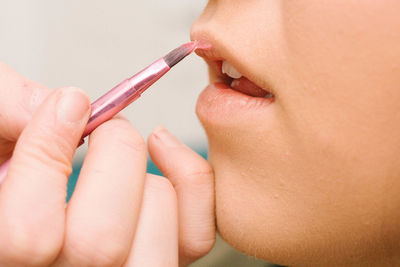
(117,209)
(128,91)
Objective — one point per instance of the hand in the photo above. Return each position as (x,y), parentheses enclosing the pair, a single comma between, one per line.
(118,214)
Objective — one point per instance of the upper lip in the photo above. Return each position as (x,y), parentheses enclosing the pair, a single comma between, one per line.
(218,53)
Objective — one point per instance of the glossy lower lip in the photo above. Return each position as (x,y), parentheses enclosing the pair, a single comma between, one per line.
(219,104)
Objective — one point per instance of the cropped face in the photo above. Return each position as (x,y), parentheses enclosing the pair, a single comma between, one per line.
(304,128)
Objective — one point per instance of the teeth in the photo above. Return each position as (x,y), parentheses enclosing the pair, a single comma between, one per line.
(269,95)
(229,70)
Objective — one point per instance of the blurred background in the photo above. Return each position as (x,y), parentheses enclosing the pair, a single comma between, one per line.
(94,45)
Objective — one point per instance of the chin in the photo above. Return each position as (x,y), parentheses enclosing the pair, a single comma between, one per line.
(276,211)
(244,220)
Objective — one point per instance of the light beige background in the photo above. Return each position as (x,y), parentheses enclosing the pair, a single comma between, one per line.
(96,44)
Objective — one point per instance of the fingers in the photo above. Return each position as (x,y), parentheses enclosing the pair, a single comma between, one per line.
(156,238)
(32,197)
(192,178)
(104,209)
(19,98)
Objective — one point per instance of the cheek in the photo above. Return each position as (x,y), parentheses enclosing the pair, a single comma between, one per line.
(289,208)
(343,71)
(339,54)
(322,177)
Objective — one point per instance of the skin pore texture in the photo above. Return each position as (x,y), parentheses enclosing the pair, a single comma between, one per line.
(311,179)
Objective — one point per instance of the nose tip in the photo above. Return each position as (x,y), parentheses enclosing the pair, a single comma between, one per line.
(203,31)
(200,34)
(198,29)
(193,31)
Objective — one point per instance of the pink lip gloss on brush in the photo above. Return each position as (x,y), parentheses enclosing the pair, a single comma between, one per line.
(128,91)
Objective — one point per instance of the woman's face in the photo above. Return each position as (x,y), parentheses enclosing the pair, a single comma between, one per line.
(311,176)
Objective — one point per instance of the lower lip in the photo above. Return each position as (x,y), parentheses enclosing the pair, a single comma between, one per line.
(220,104)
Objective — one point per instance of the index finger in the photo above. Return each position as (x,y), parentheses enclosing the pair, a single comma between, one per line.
(105,207)
(19,99)
(193,180)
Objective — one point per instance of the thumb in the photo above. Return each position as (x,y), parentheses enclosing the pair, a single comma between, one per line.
(32,197)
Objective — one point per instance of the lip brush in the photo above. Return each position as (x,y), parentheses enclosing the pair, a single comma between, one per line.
(108,105)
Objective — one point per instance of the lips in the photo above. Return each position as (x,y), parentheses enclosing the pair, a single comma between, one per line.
(247,87)
(222,71)
(232,98)
(241,83)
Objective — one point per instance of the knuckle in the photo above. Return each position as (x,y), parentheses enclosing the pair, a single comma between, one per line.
(161,187)
(124,135)
(99,250)
(25,248)
(55,153)
(194,249)
(198,174)
(25,104)
(133,144)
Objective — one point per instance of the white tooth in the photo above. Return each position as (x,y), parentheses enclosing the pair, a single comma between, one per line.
(229,70)
(269,95)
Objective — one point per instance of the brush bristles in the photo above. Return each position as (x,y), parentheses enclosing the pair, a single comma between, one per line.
(176,55)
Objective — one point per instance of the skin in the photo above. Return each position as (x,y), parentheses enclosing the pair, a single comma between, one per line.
(313,180)
(310,181)
(118,214)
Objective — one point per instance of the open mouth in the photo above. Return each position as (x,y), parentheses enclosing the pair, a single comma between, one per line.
(236,93)
(240,83)
(222,71)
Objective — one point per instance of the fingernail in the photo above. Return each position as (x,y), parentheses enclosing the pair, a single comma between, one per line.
(72,105)
(165,137)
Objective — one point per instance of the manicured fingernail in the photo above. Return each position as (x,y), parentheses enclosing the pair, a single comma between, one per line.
(165,137)
(72,106)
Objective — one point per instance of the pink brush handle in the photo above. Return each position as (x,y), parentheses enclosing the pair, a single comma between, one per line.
(116,99)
